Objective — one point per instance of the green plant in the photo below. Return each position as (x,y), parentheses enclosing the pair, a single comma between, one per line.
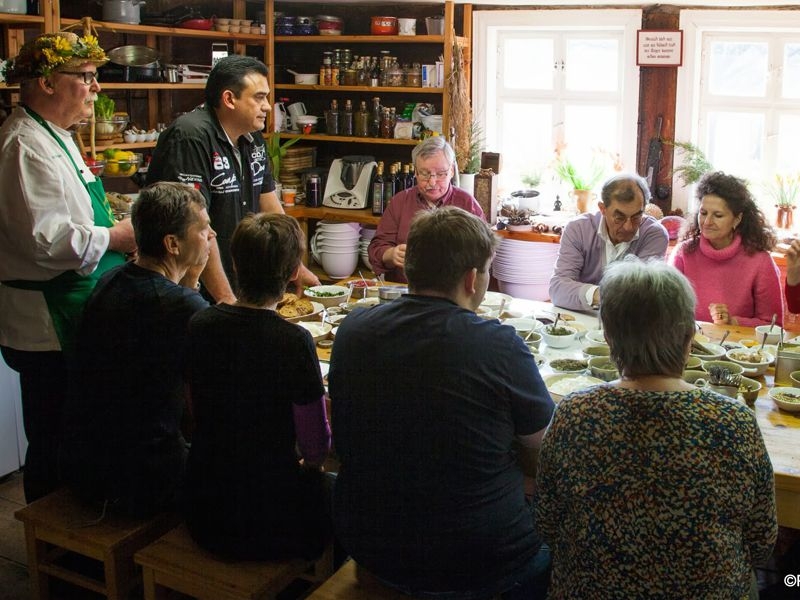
(104,107)
(784,190)
(470,160)
(569,174)
(695,163)
(533,179)
(277,151)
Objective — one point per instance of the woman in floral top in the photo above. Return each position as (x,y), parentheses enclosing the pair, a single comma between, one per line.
(649,487)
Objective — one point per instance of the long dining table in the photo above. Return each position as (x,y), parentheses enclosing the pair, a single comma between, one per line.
(781,430)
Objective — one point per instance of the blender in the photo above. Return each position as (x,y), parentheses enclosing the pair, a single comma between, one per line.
(349,180)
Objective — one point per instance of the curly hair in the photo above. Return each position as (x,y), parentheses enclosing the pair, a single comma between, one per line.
(756,233)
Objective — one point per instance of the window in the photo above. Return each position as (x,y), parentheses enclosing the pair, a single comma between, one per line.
(738,96)
(544,79)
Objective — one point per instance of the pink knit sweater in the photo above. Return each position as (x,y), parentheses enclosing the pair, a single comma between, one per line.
(748,283)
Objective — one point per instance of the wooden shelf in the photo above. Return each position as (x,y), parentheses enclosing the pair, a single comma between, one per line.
(303,213)
(360,88)
(25,20)
(361,39)
(161,30)
(321,137)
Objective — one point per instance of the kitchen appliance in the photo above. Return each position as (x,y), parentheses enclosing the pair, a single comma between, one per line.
(194,73)
(294,110)
(122,11)
(349,180)
(313,184)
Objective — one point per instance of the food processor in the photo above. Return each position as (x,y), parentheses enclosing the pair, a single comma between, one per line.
(349,180)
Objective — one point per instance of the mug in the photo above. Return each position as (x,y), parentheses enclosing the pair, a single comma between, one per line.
(407,26)
(288,194)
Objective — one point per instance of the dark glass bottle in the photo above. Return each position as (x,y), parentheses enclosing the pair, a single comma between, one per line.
(386,124)
(347,119)
(332,119)
(411,181)
(375,75)
(361,121)
(376,117)
(378,189)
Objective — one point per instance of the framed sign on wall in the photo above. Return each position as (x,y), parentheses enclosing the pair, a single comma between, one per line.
(659,48)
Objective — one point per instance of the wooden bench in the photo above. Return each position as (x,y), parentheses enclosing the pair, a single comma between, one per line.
(175,562)
(60,524)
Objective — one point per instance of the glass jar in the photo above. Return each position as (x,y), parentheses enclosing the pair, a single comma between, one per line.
(395,76)
(414,76)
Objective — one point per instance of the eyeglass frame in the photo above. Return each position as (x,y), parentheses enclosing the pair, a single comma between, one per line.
(94,76)
(439,175)
(622,218)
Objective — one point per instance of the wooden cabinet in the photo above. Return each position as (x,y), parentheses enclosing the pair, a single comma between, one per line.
(304,54)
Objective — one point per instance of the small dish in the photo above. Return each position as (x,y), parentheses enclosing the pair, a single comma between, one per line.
(566,383)
(754,361)
(593,351)
(558,341)
(568,365)
(596,336)
(786,398)
(319,331)
(603,368)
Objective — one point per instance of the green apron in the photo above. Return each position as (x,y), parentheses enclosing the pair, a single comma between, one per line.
(66,294)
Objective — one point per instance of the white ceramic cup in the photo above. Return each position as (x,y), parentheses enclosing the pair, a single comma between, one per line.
(296,109)
(407,26)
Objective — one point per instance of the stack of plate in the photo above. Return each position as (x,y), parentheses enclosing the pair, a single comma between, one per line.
(367,233)
(523,269)
(335,246)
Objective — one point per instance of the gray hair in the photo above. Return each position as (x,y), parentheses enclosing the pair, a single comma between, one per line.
(621,188)
(647,313)
(433,145)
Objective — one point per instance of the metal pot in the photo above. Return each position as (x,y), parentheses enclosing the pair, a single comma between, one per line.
(122,11)
(140,63)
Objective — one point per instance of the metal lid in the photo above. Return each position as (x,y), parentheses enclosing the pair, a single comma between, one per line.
(329,18)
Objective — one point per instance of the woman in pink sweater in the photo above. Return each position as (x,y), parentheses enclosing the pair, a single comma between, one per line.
(725,254)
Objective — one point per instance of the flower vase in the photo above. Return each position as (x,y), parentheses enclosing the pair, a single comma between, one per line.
(582,199)
(785,218)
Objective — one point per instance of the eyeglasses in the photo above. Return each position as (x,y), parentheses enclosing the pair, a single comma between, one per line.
(427,176)
(621,218)
(88,76)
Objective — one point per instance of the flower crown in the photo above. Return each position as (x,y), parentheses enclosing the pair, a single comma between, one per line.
(50,52)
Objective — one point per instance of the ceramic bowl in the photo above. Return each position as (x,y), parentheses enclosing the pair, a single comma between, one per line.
(523,326)
(749,390)
(786,398)
(754,361)
(693,376)
(533,340)
(327,295)
(693,363)
(596,336)
(558,341)
(773,337)
(593,351)
(565,383)
(568,365)
(716,352)
(734,368)
(602,368)
(319,331)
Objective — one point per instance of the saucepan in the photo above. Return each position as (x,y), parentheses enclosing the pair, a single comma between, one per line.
(305,78)
(140,63)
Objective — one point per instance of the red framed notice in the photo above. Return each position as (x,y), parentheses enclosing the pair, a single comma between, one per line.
(659,48)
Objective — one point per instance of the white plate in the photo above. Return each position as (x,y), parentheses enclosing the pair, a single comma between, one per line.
(319,331)
(367,302)
(314,314)
(585,381)
(493,300)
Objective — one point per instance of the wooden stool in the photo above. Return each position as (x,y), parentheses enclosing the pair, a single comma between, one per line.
(60,523)
(352,582)
(175,562)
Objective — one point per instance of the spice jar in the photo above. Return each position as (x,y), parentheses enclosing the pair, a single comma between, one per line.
(414,76)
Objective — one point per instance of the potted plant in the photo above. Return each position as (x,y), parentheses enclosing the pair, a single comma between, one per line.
(582,182)
(517,219)
(277,151)
(694,165)
(784,190)
(468,157)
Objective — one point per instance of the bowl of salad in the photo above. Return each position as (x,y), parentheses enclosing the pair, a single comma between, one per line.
(328,295)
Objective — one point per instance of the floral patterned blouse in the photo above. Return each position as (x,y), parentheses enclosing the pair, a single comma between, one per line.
(654,495)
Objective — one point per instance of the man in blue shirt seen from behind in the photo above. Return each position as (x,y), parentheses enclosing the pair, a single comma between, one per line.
(429,403)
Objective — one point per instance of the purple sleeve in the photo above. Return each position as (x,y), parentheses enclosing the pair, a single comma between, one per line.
(653,242)
(313,431)
(566,288)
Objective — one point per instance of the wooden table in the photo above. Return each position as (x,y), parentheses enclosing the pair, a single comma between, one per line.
(781,430)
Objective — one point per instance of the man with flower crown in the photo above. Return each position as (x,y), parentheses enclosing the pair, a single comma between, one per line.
(57,234)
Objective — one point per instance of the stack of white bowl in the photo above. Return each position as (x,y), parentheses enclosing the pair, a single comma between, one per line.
(335,246)
(367,233)
(523,269)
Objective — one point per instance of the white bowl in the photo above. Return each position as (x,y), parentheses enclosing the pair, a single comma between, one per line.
(558,341)
(597,337)
(339,265)
(565,383)
(603,368)
(745,357)
(733,368)
(319,331)
(599,350)
(717,352)
(129,137)
(568,365)
(772,338)
(783,404)
(327,295)
(523,326)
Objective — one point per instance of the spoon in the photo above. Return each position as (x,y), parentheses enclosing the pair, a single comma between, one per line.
(502,308)
(724,337)
(763,342)
(772,324)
